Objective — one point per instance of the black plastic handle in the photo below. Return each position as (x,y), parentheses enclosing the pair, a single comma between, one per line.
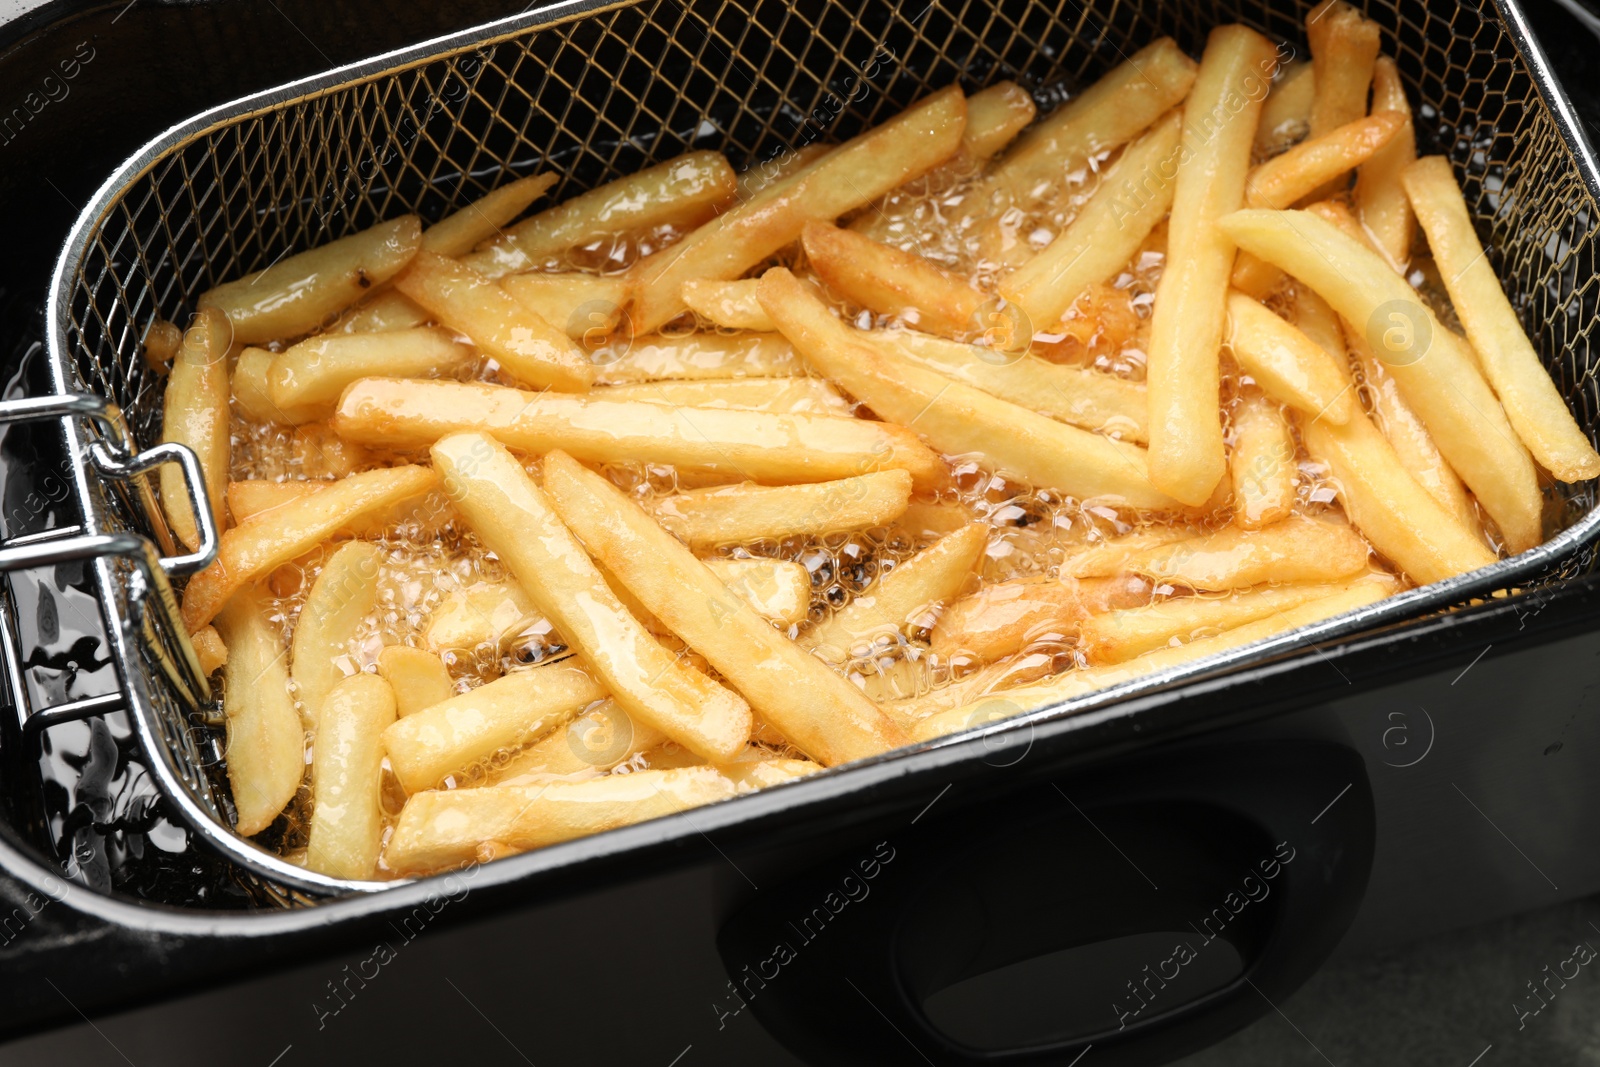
(1142,911)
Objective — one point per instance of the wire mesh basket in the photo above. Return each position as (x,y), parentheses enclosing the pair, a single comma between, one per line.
(594,92)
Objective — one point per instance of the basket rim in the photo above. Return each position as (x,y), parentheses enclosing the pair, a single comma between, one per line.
(1412,606)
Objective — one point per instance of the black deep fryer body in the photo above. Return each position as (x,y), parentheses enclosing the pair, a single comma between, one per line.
(1420,781)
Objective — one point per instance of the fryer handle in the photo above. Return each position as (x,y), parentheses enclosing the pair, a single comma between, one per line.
(1044,927)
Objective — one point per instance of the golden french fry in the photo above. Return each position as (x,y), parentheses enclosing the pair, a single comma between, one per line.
(756,445)
(1319,322)
(1286,114)
(1003,618)
(1435,369)
(956,418)
(440,829)
(1380,195)
(991,678)
(418,677)
(1263,465)
(587,307)
(252,391)
(1535,408)
(516,521)
(820,712)
(454,735)
(933,576)
(851,176)
(1404,523)
(1110,113)
(461,232)
(597,740)
(1283,180)
(530,349)
(1344,48)
(1256,278)
(304,382)
(1117,636)
(757,769)
(1076,395)
(1288,365)
(891,282)
(1187,458)
(994,117)
(300,293)
(389,310)
(266,741)
(420,517)
(777,590)
(929,520)
(195,413)
(731,305)
(1415,450)
(698,357)
(1108,230)
(1110,557)
(786,164)
(342,596)
(1076,683)
(161,343)
(683,192)
(783,396)
(347,778)
(249,553)
(1298,549)
(209,649)
(736,514)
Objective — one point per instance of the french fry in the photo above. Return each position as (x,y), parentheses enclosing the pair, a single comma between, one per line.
(440,829)
(252,391)
(195,413)
(597,740)
(344,593)
(683,192)
(955,417)
(777,590)
(1283,180)
(817,710)
(1187,458)
(530,349)
(1319,322)
(1263,465)
(161,343)
(752,772)
(1344,49)
(300,293)
(1415,450)
(587,307)
(461,732)
(516,521)
(347,779)
(1076,683)
(1404,523)
(698,357)
(994,118)
(418,677)
(1133,196)
(1117,636)
(1286,114)
(209,649)
(266,741)
(1109,557)
(1076,395)
(1535,408)
(991,678)
(1380,195)
(249,553)
(1435,369)
(1256,278)
(315,451)
(1111,112)
(755,445)
(459,233)
(929,520)
(1298,549)
(933,576)
(388,310)
(304,382)
(786,164)
(891,282)
(423,516)
(1286,364)
(783,396)
(731,305)
(851,176)
(735,514)
(1003,618)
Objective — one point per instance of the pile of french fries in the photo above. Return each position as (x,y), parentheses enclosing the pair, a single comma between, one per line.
(536,528)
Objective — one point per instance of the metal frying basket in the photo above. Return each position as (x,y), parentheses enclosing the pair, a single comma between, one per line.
(592,92)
